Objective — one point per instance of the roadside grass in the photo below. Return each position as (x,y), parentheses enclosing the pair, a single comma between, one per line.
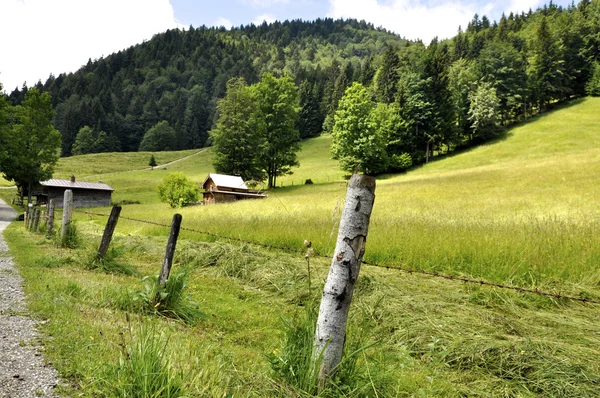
(412,335)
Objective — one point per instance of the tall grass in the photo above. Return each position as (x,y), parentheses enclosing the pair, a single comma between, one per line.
(145,369)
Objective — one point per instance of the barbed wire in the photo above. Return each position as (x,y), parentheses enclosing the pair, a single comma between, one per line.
(433,274)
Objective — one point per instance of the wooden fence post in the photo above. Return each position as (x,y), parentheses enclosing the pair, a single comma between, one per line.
(32,218)
(330,334)
(51,216)
(36,221)
(108,231)
(170,250)
(66,219)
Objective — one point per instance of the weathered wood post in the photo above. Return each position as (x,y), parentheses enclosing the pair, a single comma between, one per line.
(108,231)
(51,216)
(32,218)
(330,334)
(66,219)
(28,215)
(170,250)
(36,221)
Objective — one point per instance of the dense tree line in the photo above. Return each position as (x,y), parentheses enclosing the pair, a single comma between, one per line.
(424,101)
(178,77)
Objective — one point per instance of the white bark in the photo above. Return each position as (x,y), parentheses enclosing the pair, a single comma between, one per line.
(330,334)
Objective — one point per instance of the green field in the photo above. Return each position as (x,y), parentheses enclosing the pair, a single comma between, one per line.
(522,210)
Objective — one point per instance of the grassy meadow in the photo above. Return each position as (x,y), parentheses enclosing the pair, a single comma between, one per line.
(521,210)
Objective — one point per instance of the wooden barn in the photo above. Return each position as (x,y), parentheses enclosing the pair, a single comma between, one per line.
(221,188)
(85,194)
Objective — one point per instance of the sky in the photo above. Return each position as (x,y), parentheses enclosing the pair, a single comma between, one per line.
(43,37)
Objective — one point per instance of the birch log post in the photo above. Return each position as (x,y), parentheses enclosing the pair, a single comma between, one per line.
(51,216)
(330,334)
(170,250)
(108,231)
(66,219)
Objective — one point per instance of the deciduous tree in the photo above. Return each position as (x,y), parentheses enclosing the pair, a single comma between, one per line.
(161,137)
(357,144)
(33,144)
(177,190)
(238,138)
(277,100)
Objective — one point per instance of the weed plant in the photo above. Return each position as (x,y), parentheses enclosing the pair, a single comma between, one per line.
(170,301)
(145,369)
(73,239)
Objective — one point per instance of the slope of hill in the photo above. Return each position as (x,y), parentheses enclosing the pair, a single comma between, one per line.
(179,75)
(525,202)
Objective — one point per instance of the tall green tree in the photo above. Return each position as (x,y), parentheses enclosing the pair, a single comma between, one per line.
(548,78)
(4,109)
(500,64)
(277,100)
(483,112)
(387,75)
(84,142)
(239,136)
(161,137)
(33,144)
(356,142)
(310,117)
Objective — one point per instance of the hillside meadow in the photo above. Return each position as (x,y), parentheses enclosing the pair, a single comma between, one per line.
(521,210)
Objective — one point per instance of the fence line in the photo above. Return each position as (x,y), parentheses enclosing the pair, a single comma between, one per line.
(369,263)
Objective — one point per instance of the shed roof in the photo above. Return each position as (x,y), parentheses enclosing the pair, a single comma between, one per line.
(77,184)
(226,181)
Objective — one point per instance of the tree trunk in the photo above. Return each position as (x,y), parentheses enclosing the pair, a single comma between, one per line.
(29,185)
(330,334)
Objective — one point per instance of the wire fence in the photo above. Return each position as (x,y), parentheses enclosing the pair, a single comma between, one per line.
(398,268)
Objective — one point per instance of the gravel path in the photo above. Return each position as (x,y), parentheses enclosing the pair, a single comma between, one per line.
(22,369)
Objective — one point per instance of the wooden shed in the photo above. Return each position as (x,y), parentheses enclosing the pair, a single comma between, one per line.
(220,188)
(85,194)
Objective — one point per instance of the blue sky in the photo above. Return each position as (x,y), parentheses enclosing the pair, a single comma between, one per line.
(40,37)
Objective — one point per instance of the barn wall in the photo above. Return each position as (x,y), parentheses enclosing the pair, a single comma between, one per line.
(81,197)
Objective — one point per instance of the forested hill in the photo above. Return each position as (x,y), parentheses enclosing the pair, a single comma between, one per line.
(179,75)
(417,100)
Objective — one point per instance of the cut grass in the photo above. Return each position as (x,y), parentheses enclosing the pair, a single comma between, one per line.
(433,338)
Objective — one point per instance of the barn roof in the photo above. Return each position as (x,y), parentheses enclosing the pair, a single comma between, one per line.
(226,181)
(77,184)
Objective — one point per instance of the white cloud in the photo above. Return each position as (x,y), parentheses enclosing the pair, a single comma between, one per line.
(268,18)
(265,3)
(40,37)
(517,6)
(409,18)
(223,22)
